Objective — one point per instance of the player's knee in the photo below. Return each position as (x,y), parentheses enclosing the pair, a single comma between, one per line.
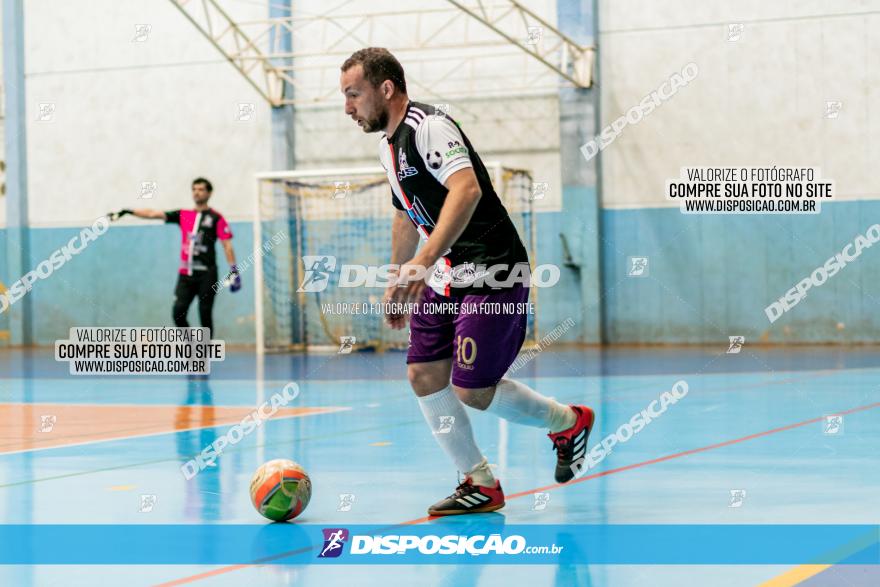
(425,381)
(179,316)
(479,399)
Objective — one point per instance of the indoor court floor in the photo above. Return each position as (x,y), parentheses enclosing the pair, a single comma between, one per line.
(753,442)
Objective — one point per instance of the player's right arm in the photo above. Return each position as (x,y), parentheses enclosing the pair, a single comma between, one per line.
(404,241)
(404,238)
(148,213)
(172,216)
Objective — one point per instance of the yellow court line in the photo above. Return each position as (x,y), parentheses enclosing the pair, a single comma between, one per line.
(795,576)
(803,572)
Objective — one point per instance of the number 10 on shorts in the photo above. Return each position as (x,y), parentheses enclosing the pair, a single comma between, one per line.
(466,350)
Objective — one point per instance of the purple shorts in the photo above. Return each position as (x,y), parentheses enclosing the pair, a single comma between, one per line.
(481,333)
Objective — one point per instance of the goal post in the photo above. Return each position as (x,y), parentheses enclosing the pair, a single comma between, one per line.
(328,219)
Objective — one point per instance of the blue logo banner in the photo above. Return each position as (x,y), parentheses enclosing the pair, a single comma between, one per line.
(477,541)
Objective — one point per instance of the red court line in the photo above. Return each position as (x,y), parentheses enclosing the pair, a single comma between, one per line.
(229,569)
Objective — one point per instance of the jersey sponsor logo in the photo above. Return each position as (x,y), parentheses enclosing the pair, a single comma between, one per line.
(464,272)
(197,241)
(208,222)
(462,275)
(455,148)
(404,169)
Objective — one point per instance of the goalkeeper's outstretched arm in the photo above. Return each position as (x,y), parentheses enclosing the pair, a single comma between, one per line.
(148,213)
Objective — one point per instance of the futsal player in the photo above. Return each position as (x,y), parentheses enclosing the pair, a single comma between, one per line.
(443,195)
(200,228)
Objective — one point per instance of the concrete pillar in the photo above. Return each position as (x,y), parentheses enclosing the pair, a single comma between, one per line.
(578,111)
(17,248)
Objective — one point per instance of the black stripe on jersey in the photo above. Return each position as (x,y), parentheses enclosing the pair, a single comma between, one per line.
(417,113)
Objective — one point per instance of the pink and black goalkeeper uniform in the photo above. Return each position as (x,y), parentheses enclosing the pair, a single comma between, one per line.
(200,232)
(421,154)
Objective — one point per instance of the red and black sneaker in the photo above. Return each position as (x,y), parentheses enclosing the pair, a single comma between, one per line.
(469,499)
(571,444)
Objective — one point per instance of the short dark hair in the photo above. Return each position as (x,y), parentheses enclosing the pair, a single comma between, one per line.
(204,182)
(379,65)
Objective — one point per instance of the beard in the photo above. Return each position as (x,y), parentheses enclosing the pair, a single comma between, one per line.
(377,123)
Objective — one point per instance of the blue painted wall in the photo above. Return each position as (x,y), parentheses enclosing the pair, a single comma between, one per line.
(566,299)
(127,278)
(711,277)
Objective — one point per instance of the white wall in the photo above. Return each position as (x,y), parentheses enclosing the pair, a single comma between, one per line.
(126,112)
(757,101)
(504,100)
(164,110)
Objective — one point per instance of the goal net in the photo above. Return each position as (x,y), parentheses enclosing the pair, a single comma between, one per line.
(309,224)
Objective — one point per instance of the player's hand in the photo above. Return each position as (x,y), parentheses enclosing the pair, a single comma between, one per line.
(396,321)
(410,282)
(114,216)
(233,279)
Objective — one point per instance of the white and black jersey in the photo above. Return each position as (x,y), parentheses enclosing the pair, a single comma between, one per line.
(425,149)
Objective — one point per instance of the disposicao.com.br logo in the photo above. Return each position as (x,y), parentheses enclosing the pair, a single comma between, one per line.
(318,270)
(431,544)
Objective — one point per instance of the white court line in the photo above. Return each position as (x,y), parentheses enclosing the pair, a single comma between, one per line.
(328,410)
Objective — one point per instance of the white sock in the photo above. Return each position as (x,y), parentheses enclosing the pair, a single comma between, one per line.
(521,404)
(451,426)
(482,475)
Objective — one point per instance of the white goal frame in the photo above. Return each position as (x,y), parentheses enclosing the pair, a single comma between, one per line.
(495,168)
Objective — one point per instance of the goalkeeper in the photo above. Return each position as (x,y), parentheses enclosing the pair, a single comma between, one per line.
(200,228)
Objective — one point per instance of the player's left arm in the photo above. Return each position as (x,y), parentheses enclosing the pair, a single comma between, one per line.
(230,252)
(224,233)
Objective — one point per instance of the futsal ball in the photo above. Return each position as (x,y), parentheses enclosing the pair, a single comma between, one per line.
(280,490)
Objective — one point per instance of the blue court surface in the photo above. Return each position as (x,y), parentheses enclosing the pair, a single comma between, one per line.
(766,436)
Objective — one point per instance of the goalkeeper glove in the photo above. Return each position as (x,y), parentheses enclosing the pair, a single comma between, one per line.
(114,216)
(233,280)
